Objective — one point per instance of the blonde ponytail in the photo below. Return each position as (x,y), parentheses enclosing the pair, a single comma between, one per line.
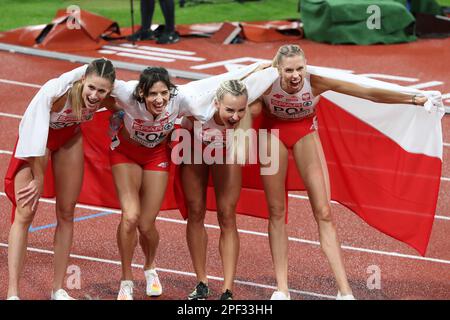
(75,98)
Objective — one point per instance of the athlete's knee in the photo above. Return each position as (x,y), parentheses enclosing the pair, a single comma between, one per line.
(277,212)
(197,212)
(227,217)
(130,221)
(65,213)
(323,214)
(24,216)
(146,229)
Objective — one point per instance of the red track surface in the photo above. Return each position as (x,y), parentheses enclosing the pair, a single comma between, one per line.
(402,277)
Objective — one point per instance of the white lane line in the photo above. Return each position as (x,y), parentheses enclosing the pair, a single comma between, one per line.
(426,84)
(182,52)
(10,115)
(184,273)
(138,56)
(107,51)
(5,152)
(446,144)
(262,234)
(25,84)
(388,77)
(225,62)
(153,53)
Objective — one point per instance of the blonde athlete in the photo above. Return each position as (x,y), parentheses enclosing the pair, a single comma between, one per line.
(51,128)
(289,106)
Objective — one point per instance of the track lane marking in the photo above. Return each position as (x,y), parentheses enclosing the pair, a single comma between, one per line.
(262,234)
(178,272)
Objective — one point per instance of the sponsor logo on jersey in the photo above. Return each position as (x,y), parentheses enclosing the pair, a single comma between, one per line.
(165,119)
(306,96)
(278,96)
(60,125)
(163,164)
(168,126)
(283,104)
(149,126)
(67,119)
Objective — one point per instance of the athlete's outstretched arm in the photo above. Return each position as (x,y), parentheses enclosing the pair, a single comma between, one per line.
(321,84)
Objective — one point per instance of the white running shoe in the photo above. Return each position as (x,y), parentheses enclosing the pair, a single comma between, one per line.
(126,290)
(154,287)
(61,294)
(346,297)
(278,295)
(13,298)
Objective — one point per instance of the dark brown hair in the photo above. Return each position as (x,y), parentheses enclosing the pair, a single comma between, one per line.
(149,76)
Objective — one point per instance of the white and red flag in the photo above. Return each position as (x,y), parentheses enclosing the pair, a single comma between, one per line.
(384,162)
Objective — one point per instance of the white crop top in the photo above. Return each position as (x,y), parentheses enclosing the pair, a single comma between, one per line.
(66,118)
(141,125)
(34,126)
(287,106)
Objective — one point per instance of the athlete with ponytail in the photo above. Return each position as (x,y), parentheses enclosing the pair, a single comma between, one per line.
(289,106)
(231,107)
(50,127)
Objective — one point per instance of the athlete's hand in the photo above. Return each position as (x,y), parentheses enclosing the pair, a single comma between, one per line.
(31,193)
(434,101)
(262,66)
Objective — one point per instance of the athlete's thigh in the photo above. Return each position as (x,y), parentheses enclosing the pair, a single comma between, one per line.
(310,160)
(275,182)
(153,189)
(128,181)
(227,179)
(194,180)
(68,168)
(23,177)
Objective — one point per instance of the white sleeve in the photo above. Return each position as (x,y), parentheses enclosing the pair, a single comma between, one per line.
(123,92)
(186,123)
(196,97)
(199,103)
(258,82)
(33,128)
(196,104)
(211,84)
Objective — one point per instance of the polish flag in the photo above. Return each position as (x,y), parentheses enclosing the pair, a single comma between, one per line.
(384,162)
